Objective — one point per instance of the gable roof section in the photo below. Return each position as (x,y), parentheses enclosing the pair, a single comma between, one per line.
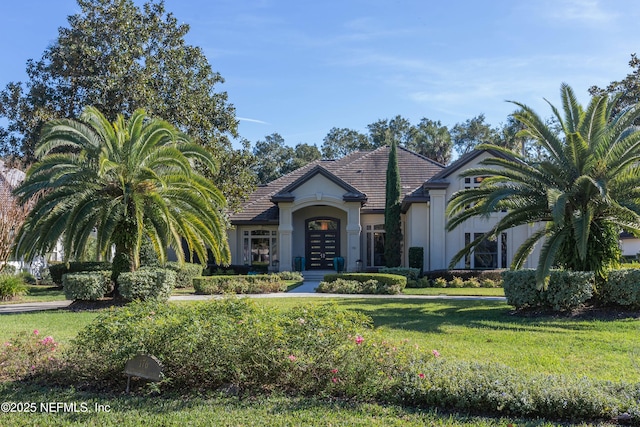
(362,171)
(439,180)
(352,194)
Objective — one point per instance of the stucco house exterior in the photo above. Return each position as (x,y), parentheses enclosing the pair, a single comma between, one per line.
(332,208)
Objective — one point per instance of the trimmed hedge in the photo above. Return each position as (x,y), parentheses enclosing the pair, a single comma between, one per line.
(566,290)
(147,283)
(86,285)
(621,287)
(409,273)
(185,273)
(57,270)
(345,286)
(449,275)
(392,283)
(255,284)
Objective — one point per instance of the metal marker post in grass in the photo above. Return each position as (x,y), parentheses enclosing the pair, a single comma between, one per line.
(143,366)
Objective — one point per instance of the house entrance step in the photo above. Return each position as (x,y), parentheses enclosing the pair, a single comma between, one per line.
(316,275)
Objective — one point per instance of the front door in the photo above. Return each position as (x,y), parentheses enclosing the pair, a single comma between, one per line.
(322,242)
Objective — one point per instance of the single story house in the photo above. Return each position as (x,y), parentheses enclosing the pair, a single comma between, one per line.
(335,208)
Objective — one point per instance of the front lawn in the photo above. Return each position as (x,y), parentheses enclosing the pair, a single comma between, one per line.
(460,330)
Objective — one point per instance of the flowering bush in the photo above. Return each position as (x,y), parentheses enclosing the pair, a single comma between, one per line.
(27,354)
(234,342)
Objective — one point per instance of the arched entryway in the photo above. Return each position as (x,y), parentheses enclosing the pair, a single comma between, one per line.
(322,242)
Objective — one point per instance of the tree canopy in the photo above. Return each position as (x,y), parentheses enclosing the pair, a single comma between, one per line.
(274,159)
(119,57)
(584,192)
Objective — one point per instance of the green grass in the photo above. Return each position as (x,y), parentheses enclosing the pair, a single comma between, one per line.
(225,411)
(485,292)
(63,325)
(39,293)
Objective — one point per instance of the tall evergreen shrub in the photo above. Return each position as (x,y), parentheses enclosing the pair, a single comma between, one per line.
(393,233)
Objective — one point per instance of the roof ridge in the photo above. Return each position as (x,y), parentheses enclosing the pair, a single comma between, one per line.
(422,157)
(363,154)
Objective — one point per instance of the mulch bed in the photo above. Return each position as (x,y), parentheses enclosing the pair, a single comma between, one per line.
(100,304)
(588,312)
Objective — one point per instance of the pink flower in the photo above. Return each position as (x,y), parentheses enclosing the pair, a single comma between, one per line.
(436,353)
(33,367)
(292,358)
(334,371)
(334,379)
(421,375)
(7,344)
(48,340)
(36,332)
(359,340)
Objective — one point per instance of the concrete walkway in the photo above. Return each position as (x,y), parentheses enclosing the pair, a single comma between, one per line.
(306,290)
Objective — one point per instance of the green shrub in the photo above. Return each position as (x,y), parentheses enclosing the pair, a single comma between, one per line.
(308,350)
(27,354)
(346,286)
(147,283)
(439,282)
(393,282)
(416,258)
(456,282)
(409,273)
(500,390)
(448,275)
(621,287)
(422,282)
(255,284)
(27,278)
(148,255)
(11,287)
(290,275)
(566,290)
(185,273)
(488,283)
(86,286)
(57,270)
(471,283)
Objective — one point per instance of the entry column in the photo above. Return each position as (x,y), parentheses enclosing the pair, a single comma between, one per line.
(285,234)
(354,229)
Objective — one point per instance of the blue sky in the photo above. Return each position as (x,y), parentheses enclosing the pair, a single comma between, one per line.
(301,67)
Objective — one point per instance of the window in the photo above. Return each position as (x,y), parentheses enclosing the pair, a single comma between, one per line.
(489,253)
(260,247)
(375,245)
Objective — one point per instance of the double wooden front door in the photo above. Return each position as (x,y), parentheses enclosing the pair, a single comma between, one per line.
(322,242)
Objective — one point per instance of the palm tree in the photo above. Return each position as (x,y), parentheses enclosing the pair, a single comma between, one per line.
(129,180)
(585,191)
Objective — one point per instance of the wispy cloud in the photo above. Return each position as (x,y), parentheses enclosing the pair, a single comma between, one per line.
(583,11)
(244,119)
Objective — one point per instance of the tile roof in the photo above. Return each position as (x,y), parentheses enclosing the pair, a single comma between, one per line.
(365,171)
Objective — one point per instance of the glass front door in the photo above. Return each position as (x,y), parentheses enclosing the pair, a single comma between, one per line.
(322,243)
